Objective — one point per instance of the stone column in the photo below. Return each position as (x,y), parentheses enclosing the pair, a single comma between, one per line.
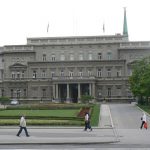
(67,91)
(79,94)
(90,89)
(56,91)
(93,89)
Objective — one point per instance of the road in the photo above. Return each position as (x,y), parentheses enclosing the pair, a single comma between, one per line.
(126,116)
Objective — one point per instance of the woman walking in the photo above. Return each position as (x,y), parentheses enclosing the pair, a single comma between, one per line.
(143,118)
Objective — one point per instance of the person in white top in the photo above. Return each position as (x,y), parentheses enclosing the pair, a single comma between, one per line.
(143,118)
(23,126)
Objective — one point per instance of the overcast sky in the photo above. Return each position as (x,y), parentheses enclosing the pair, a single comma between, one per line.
(20,19)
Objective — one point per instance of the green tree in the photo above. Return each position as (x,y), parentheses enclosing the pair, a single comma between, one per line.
(86,98)
(4,101)
(140,81)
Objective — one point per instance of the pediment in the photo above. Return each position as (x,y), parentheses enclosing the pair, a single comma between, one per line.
(18,65)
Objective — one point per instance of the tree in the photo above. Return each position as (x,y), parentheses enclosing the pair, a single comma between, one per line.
(4,100)
(86,98)
(140,81)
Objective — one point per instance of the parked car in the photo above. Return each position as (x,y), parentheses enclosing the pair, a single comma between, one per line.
(14,102)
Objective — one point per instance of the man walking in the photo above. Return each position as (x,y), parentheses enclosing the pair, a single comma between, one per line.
(23,126)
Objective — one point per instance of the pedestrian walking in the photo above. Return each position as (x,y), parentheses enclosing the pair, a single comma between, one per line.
(144,122)
(23,126)
(87,122)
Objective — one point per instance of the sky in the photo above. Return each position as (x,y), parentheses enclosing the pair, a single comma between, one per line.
(22,19)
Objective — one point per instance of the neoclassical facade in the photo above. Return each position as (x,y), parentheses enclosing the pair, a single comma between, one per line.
(65,68)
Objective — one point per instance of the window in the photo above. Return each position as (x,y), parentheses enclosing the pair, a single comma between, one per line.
(43,92)
(43,74)
(53,57)
(34,74)
(118,91)
(25,93)
(52,74)
(18,91)
(13,75)
(108,72)
(12,93)
(2,92)
(90,56)
(62,57)
(99,73)
(18,75)
(44,57)
(99,56)
(109,92)
(61,73)
(89,73)
(109,55)
(71,57)
(119,73)
(71,73)
(129,72)
(80,56)
(22,74)
(80,73)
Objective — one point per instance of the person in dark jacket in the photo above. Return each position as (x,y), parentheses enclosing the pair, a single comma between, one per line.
(87,122)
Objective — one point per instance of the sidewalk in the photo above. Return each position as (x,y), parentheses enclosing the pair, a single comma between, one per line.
(62,135)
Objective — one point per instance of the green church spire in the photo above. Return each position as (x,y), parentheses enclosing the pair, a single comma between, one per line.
(125,27)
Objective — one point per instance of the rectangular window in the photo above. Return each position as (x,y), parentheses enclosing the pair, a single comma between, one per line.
(12,93)
(119,73)
(71,57)
(25,93)
(61,73)
(108,72)
(71,73)
(34,74)
(3,93)
(80,56)
(13,75)
(44,57)
(109,55)
(18,75)
(52,74)
(53,57)
(99,73)
(22,74)
(43,74)
(99,56)
(44,92)
(89,73)
(109,92)
(118,91)
(62,57)
(80,73)
(90,56)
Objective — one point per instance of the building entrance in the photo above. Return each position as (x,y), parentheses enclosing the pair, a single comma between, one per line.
(72,92)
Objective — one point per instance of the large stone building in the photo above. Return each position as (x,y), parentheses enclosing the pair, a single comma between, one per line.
(65,68)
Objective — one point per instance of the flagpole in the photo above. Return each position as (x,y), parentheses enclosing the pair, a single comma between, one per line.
(47,27)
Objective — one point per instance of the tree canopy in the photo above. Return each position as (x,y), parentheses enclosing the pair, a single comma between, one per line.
(140,79)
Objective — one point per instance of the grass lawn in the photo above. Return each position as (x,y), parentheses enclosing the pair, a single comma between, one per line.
(54,117)
(145,108)
(46,113)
